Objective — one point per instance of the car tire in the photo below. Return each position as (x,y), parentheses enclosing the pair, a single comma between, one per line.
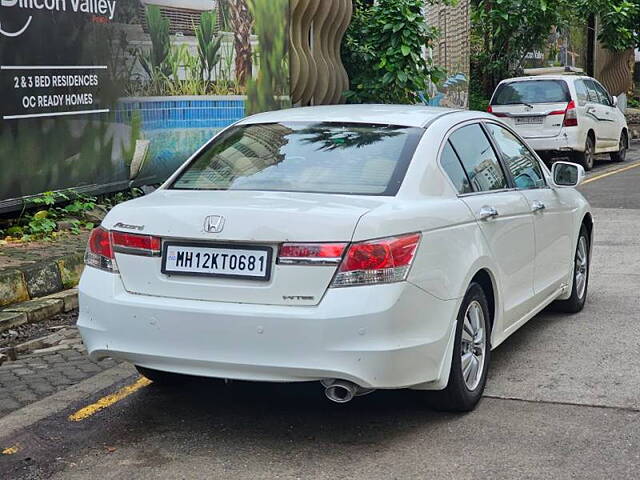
(161,378)
(586,158)
(466,385)
(621,154)
(581,263)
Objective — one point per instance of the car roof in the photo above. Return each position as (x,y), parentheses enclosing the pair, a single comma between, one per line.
(401,115)
(545,77)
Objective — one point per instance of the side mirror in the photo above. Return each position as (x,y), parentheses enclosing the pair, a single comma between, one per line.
(615,101)
(567,174)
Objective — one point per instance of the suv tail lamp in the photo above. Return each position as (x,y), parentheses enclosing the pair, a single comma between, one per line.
(377,261)
(497,114)
(570,115)
(103,245)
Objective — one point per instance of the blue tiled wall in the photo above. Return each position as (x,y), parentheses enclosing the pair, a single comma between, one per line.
(181,113)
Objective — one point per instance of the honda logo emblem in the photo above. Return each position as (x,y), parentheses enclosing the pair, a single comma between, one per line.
(213,224)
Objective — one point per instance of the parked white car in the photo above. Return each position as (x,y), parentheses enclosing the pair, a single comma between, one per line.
(369,247)
(563,114)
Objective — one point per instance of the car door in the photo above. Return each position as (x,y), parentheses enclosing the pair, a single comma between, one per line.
(612,125)
(586,119)
(504,217)
(552,215)
(599,110)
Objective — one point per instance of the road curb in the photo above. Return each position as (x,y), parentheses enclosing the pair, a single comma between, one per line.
(32,293)
(38,310)
(40,279)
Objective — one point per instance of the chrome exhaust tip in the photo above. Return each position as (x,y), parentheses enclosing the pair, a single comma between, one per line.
(341,391)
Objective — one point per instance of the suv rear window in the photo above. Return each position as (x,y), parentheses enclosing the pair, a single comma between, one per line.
(339,158)
(531,91)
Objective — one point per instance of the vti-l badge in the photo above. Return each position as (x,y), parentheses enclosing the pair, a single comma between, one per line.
(213,223)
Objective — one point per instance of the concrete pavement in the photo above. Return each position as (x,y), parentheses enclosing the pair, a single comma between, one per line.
(562,402)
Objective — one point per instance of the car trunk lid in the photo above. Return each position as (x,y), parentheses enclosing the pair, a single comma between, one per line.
(251,220)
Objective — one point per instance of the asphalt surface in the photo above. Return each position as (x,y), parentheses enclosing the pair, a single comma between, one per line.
(562,401)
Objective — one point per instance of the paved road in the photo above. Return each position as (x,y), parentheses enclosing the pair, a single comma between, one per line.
(563,401)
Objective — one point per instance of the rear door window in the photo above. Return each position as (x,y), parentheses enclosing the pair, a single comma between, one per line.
(592,92)
(478,158)
(581,92)
(531,91)
(452,166)
(603,95)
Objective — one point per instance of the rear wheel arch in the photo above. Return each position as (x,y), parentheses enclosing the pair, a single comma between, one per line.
(484,278)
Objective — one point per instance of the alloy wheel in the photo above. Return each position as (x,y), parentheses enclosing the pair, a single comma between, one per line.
(473,347)
(622,150)
(589,154)
(581,266)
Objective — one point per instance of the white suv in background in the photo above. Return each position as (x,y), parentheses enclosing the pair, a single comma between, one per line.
(560,115)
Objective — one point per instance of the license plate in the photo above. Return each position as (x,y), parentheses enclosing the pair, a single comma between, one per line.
(529,120)
(250,263)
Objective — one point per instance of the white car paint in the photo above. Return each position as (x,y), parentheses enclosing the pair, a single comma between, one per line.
(596,115)
(296,327)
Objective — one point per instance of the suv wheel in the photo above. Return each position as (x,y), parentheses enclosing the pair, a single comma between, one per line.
(587,157)
(621,154)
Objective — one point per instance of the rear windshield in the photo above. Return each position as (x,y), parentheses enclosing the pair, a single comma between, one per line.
(532,91)
(338,158)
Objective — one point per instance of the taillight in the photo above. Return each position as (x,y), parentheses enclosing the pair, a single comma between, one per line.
(571,115)
(99,252)
(103,245)
(135,244)
(377,261)
(311,253)
(497,114)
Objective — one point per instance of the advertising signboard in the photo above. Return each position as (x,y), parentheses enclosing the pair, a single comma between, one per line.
(98,95)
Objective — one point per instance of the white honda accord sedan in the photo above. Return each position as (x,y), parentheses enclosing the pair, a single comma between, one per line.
(367,247)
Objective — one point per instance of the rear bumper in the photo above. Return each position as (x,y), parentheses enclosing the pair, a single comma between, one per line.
(565,142)
(385,336)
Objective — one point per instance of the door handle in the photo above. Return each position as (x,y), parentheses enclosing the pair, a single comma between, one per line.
(487,212)
(591,110)
(537,206)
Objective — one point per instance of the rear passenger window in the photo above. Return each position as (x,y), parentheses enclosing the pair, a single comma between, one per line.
(451,164)
(603,95)
(581,92)
(591,92)
(478,158)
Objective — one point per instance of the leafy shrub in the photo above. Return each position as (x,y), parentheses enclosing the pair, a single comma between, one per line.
(273,79)
(208,43)
(154,62)
(383,52)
